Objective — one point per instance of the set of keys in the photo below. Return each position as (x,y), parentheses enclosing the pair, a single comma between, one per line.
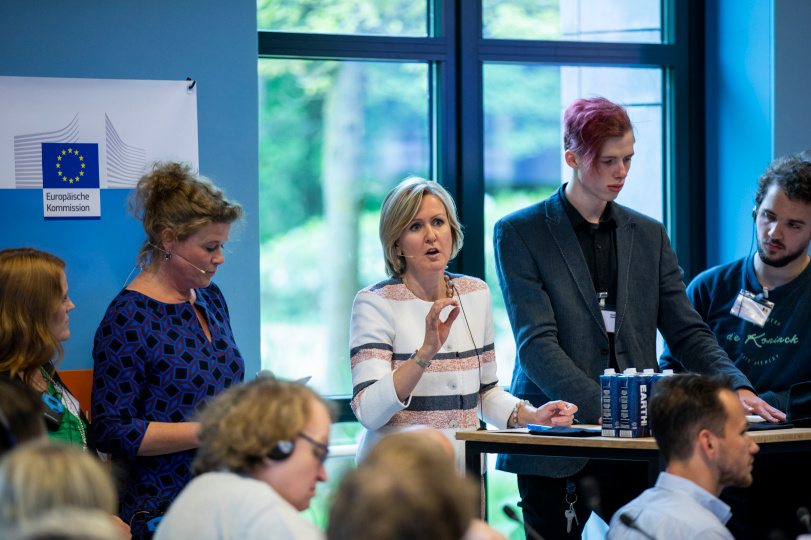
(570,514)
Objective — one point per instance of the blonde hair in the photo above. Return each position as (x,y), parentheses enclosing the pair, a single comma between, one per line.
(43,475)
(399,208)
(30,293)
(68,524)
(242,425)
(173,197)
(406,488)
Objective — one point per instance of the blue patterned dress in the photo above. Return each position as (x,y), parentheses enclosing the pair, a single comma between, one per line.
(152,362)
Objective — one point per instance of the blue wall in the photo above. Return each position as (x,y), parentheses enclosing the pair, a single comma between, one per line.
(740,128)
(792,105)
(211,41)
(757,108)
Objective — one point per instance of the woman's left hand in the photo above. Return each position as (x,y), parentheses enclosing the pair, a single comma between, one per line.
(554,413)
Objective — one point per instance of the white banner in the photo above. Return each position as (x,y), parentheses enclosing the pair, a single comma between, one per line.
(131,123)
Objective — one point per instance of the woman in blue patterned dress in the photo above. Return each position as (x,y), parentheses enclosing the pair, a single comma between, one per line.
(165,346)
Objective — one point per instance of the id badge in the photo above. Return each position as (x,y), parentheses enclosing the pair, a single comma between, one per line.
(609,318)
(750,308)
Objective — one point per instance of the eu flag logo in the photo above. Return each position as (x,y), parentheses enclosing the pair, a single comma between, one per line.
(70,165)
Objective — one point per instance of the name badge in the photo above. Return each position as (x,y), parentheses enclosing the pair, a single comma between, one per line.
(752,308)
(609,318)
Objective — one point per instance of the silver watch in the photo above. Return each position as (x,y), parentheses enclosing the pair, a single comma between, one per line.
(424,364)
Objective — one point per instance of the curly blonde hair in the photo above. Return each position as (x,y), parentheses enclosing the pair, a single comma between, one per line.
(172,197)
(242,425)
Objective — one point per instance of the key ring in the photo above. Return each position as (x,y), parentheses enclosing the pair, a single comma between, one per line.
(570,503)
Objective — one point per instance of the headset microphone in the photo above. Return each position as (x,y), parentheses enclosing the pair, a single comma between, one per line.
(169,255)
(187,260)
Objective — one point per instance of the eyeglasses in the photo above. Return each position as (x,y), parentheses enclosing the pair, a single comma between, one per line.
(322,449)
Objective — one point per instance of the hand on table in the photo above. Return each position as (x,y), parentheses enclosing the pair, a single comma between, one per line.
(554,413)
(754,405)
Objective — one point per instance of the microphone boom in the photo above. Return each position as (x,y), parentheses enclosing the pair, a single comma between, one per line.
(510,513)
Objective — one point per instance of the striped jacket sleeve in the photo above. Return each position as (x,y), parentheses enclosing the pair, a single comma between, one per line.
(374,399)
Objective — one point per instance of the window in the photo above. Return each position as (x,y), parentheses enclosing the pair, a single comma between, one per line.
(631,21)
(523,149)
(340,135)
(357,94)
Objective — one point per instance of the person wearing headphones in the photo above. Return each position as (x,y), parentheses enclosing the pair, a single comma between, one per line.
(758,307)
(421,341)
(262,451)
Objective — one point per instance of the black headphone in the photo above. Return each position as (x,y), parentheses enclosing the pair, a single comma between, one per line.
(754,213)
(281,451)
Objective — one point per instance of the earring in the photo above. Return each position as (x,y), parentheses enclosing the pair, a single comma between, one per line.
(167,256)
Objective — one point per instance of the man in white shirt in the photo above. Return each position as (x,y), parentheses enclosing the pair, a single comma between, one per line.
(262,451)
(701,429)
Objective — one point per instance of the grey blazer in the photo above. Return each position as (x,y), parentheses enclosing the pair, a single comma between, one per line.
(561,341)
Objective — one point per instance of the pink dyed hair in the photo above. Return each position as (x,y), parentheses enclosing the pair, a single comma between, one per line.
(588,123)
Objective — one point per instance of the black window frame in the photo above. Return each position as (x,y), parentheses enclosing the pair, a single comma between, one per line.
(458,53)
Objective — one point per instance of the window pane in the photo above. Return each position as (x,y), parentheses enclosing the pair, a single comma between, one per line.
(334,138)
(371,17)
(523,145)
(617,21)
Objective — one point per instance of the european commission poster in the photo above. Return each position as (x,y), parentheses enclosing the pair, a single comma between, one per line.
(71,138)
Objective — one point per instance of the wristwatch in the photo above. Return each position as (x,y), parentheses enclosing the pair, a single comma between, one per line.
(420,362)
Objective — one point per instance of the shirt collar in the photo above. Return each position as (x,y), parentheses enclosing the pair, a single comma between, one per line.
(703,497)
(608,217)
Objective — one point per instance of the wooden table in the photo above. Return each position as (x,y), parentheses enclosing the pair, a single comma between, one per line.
(519,441)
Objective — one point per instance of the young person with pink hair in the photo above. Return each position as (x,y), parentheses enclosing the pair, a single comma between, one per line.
(587,283)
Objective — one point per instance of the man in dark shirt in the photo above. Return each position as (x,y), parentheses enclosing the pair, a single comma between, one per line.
(597,242)
(586,283)
(759,307)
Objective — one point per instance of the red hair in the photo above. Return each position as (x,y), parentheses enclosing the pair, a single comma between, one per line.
(588,123)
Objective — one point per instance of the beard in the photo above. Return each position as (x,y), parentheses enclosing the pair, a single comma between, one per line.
(734,473)
(778,262)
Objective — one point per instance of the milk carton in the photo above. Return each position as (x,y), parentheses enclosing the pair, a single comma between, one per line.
(644,381)
(629,398)
(609,395)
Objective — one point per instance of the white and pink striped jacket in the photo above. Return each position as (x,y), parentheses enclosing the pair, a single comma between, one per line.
(388,325)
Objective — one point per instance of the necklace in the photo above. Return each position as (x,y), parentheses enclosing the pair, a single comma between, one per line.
(448,288)
(72,408)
